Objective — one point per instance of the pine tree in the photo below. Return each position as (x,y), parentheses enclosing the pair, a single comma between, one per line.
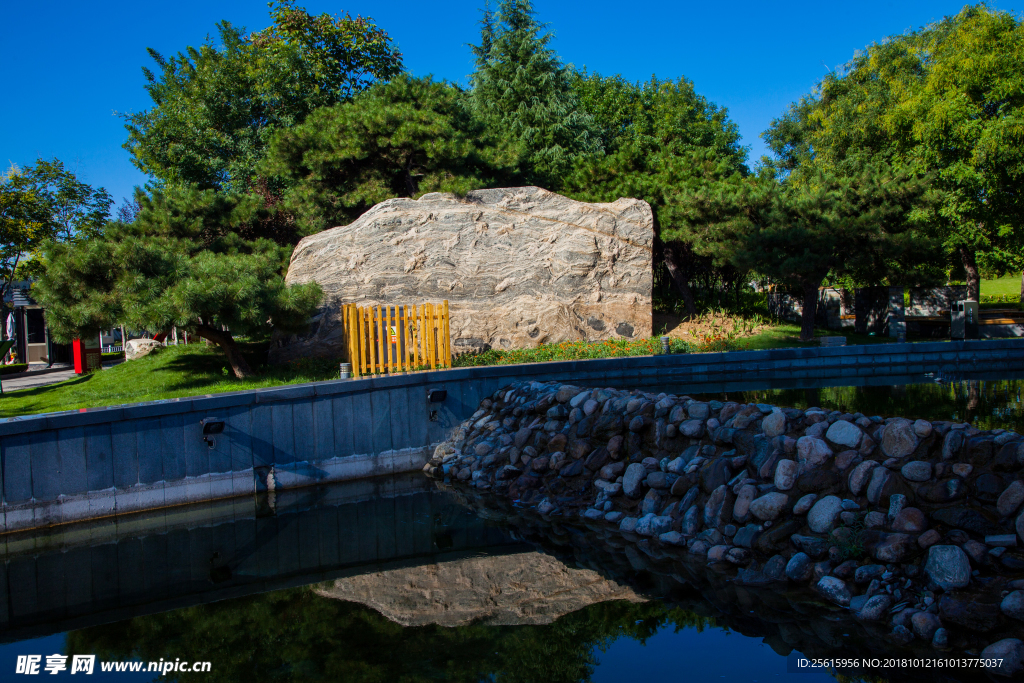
(524,92)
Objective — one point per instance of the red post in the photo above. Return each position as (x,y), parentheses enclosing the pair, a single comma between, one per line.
(88,355)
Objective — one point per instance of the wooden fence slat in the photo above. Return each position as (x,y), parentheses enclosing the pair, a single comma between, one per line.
(405,336)
(430,336)
(362,341)
(392,353)
(371,355)
(447,346)
(420,355)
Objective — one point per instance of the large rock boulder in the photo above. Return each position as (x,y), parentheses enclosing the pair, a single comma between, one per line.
(137,348)
(519,266)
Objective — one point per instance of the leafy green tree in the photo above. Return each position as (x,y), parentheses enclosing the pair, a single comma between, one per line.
(72,209)
(399,139)
(22,224)
(866,220)
(43,202)
(663,143)
(214,110)
(948,101)
(524,93)
(181,263)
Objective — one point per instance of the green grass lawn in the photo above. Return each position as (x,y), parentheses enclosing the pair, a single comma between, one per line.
(195,370)
(176,371)
(1008,285)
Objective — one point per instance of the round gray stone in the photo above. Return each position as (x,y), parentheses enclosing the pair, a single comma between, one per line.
(918,470)
(632,480)
(948,566)
(1013,605)
(799,567)
(835,590)
(805,503)
(844,433)
(1008,656)
(785,475)
(769,506)
(812,451)
(876,607)
(775,424)
(858,478)
(899,439)
(823,514)
(1010,499)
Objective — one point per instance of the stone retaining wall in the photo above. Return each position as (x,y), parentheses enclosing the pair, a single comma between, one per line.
(913,525)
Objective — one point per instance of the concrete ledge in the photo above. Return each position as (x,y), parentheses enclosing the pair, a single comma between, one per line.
(60,467)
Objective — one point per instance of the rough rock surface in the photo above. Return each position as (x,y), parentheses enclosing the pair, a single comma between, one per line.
(137,348)
(527,588)
(519,266)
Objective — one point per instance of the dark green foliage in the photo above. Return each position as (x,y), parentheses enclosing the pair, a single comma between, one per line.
(524,93)
(215,108)
(862,220)
(296,635)
(664,142)
(400,139)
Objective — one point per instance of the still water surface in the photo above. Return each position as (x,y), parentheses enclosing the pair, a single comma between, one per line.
(396,580)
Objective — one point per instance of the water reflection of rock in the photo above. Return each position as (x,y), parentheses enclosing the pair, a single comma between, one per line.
(505,590)
(788,619)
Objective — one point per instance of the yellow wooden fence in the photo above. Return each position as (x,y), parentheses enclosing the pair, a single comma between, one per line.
(383,339)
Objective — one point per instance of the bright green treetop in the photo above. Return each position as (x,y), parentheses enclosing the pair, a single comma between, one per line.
(948,102)
(214,110)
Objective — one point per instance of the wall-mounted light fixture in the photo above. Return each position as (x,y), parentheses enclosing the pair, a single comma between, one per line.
(211,426)
(435,396)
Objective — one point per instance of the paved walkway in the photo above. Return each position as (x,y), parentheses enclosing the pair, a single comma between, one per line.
(32,380)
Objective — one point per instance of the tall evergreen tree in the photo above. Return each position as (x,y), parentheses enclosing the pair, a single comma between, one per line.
(863,220)
(663,142)
(524,92)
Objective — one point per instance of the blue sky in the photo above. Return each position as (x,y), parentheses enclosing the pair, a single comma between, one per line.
(68,67)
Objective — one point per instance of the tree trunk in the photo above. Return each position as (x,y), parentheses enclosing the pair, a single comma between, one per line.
(810,310)
(410,186)
(973,277)
(672,263)
(226,342)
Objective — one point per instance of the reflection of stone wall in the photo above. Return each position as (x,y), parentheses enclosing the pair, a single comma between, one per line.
(935,301)
(528,588)
(872,310)
(520,267)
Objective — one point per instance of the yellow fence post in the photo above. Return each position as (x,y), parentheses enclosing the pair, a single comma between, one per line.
(447,346)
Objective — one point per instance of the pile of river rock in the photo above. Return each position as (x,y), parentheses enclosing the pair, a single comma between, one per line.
(912,525)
